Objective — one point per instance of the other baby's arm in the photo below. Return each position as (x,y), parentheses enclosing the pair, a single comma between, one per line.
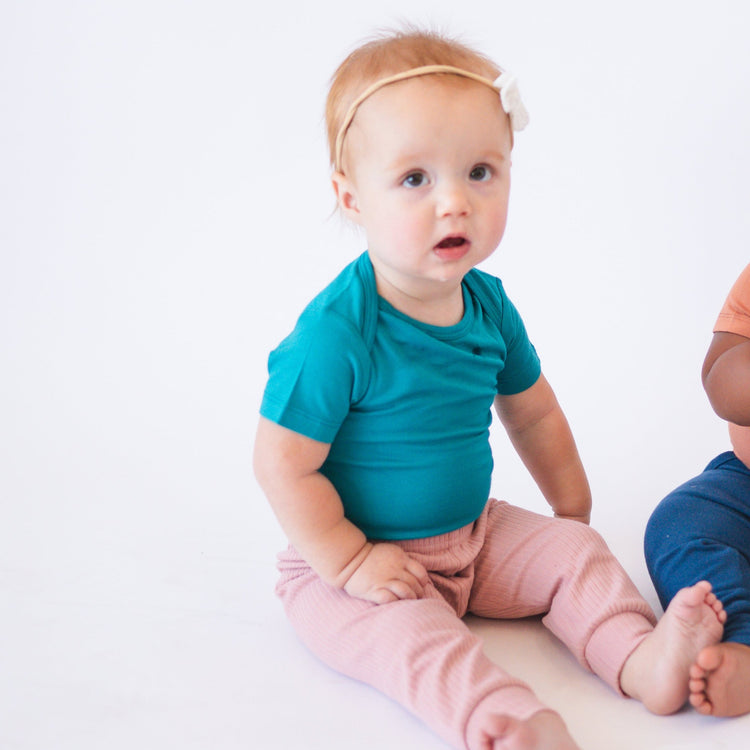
(726,377)
(312,515)
(542,438)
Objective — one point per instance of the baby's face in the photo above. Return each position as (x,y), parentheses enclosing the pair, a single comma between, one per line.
(428,177)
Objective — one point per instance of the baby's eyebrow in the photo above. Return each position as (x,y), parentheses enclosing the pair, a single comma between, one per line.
(497,155)
(416,159)
(402,167)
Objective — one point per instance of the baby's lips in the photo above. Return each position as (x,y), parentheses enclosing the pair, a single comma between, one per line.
(451,241)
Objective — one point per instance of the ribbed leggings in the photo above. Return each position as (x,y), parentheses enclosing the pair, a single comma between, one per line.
(510,563)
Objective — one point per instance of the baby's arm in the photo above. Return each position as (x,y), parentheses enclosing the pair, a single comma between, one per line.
(542,438)
(312,515)
(726,377)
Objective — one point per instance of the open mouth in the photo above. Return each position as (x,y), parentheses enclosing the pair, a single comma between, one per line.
(449,242)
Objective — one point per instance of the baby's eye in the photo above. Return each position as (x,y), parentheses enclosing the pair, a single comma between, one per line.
(480,173)
(414,179)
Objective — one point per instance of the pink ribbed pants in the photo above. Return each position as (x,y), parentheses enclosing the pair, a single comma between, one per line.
(509,563)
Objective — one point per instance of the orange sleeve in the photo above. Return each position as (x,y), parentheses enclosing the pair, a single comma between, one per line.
(735,315)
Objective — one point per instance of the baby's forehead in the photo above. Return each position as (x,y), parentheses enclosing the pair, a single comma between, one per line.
(425,92)
(420,118)
(423,98)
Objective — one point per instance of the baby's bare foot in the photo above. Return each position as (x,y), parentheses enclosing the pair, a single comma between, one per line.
(543,731)
(657,672)
(720,680)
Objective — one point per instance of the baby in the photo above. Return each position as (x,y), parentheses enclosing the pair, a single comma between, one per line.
(702,529)
(373,444)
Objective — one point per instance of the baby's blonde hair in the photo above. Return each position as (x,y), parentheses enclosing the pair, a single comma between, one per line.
(388,54)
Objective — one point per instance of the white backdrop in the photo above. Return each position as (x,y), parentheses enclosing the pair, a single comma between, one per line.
(165,215)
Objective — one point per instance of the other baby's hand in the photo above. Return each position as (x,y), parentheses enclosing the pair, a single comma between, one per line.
(387,574)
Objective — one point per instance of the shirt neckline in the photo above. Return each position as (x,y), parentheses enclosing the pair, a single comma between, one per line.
(441,332)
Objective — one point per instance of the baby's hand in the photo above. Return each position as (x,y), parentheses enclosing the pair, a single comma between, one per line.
(387,574)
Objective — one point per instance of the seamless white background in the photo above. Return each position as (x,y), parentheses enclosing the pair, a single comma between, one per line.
(165,213)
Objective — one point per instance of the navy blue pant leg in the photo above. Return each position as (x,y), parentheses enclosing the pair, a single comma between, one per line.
(701,531)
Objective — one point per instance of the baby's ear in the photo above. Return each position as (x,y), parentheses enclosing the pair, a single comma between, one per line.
(346,196)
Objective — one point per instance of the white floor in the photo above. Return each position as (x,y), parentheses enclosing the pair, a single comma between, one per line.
(170,636)
(166,213)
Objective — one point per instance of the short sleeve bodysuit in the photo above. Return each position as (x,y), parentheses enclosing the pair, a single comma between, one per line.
(405,406)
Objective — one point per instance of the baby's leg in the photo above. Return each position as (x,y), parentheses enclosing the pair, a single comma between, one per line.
(534,564)
(422,655)
(702,530)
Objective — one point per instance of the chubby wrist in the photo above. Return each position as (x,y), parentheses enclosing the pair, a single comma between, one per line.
(352,566)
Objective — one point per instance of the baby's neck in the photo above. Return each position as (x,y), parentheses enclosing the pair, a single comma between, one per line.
(439,310)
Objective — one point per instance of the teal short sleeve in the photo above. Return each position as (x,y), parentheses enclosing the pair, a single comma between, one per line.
(314,376)
(522,367)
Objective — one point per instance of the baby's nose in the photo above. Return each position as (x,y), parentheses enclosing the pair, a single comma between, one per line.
(454,200)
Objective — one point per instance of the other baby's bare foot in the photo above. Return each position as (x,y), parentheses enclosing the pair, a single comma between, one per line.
(542,731)
(658,671)
(720,680)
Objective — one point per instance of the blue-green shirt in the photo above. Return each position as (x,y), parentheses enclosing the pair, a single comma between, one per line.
(404,405)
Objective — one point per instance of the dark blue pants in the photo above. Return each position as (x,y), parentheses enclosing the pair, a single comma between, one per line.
(701,531)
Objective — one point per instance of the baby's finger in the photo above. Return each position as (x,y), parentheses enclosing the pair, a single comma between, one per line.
(418,571)
(381,595)
(414,584)
(403,589)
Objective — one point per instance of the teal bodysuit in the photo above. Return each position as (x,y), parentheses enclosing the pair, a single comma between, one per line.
(405,406)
